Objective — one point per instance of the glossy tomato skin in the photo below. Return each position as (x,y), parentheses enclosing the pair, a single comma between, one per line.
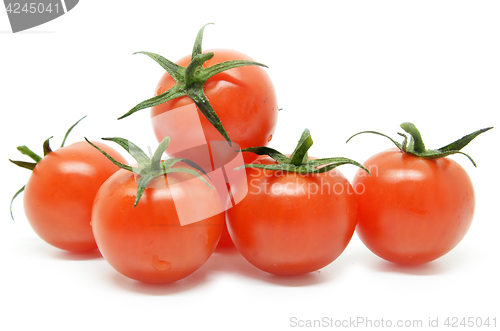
(292,224)
(147,242)
(60,192)
(244,99)
(412,210)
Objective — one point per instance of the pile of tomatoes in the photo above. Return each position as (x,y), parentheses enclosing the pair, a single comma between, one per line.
(287,214)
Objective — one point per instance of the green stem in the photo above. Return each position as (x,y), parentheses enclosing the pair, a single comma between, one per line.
(28,152)
(156,159)
(194,68)
(417,143)
(299,155)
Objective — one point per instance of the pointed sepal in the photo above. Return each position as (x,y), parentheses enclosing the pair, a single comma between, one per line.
(398,145)
(464,141)
(328,164)
(109,157)
(13,198)
(135,151)
(264,150)
(197,49)
(201,101)
(70,129)
(25,165)
(28,152)
(173,93)
(46,147)
(176,71)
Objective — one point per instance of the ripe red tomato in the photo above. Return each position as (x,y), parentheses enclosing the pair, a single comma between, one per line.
(413,210)
(148,242)
(244,99)
(417,205)
(60,192)
(291,223)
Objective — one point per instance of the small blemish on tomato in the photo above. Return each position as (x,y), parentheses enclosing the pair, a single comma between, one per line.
(270,137)
(419,211)
(160,265)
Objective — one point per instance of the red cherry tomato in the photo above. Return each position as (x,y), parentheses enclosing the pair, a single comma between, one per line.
(244,99)
(60,192)
(412,210)
(148,242)
(291,223)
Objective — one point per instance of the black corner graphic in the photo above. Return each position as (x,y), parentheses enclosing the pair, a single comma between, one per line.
(70,4)
(25,15)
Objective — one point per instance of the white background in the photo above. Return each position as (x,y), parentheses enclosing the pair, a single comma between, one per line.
(339,67)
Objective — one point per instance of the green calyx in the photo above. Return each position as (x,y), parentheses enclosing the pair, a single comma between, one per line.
(415,145)
(150,168)
(298,161)
(190,81)
(36,158)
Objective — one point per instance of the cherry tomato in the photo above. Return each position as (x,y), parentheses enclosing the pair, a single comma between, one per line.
(60,192)
(413,210)
(148,242)
(291,223)
(418,204)
(244,99)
